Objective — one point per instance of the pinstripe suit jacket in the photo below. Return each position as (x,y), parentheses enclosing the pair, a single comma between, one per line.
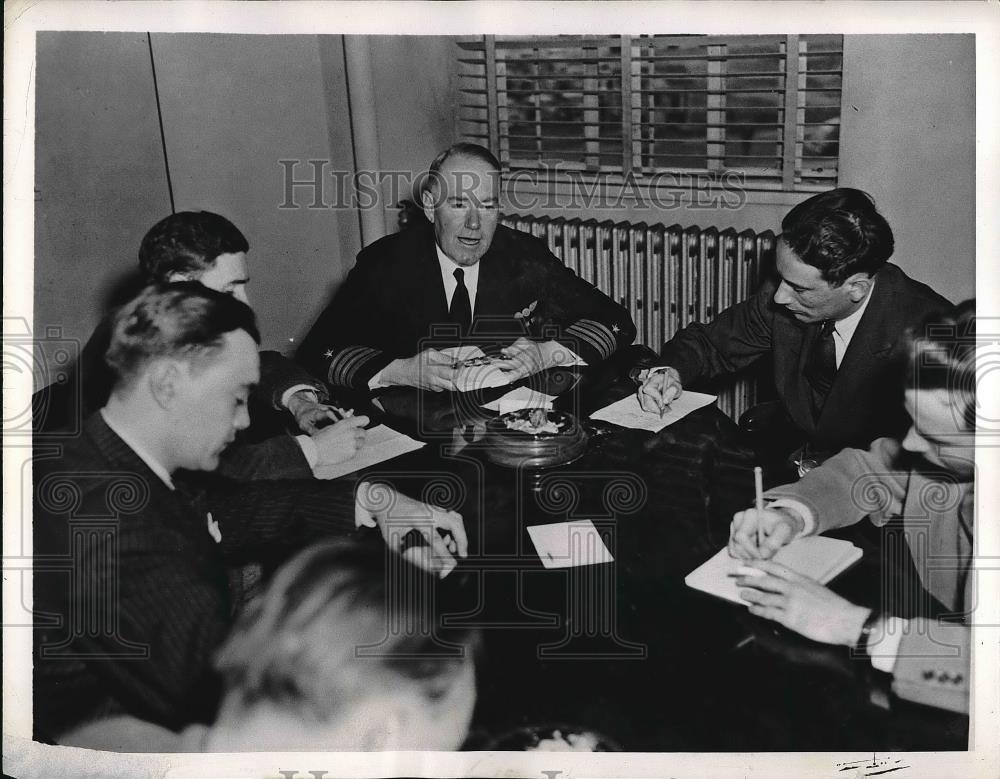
(131,593)
(393,300)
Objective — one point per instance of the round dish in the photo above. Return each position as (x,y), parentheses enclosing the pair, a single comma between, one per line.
(520,449)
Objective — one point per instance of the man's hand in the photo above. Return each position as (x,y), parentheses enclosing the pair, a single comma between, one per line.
(759,534)
(659,389)
(310,414)
(396,514)
(340,441)
(528,357)
(801,604)
(429,370)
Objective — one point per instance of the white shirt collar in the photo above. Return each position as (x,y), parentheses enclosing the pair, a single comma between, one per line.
(141,453)
(471,277)
(846,326)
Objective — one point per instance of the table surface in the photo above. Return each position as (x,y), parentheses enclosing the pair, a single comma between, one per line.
(626,648)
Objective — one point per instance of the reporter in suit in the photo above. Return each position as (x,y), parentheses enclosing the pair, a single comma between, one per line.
(147,538)
(462,273)
(927,480)
(828,323)
(208,248)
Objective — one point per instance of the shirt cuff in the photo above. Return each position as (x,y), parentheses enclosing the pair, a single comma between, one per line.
(309,450)
(886,649)
(287,394)
(375,382)
(801,509)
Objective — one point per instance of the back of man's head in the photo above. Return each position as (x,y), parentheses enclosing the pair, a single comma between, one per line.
(940,354)
(188,243)
(184,320)
(340,633)
(840,232)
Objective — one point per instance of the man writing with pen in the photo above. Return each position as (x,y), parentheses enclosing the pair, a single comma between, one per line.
(828,321)
(927,479)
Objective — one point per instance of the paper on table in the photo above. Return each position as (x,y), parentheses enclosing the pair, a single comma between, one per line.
(628,413)
(522,397)
(382,443)
(569,544)
(818,557)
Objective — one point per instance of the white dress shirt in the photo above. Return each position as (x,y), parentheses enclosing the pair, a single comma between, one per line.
(843,329)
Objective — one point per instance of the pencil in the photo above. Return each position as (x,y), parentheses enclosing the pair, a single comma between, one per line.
(758,484)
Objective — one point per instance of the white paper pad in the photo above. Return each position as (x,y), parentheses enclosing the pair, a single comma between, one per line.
(569,544)
(628,413)
(522,397)
(381,443)
(817,557)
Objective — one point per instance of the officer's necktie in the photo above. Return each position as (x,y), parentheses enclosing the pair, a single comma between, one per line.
(461,309)
(821,366)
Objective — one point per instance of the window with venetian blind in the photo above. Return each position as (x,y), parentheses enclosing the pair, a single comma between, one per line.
(639,106)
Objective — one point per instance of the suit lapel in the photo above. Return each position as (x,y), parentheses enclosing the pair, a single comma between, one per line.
(792,342)
(870,345)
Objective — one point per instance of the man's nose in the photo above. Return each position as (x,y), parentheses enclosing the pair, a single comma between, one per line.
(914,442)
(241,295)
(242,421)
(472,218)
(782,296)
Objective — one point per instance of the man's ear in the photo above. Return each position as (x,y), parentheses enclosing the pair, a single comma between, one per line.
(858,286)
(163,380)
(427,198)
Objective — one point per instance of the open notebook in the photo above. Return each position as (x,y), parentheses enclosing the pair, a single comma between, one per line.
(818,557)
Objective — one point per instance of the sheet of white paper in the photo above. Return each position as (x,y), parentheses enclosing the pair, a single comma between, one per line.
(477,377)
(628,413)
(522,397)
(569,544)
(382,443)
(818,557)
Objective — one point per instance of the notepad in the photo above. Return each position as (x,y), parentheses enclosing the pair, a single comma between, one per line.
(628,413)
(381,443)
(569,544)
(817,557)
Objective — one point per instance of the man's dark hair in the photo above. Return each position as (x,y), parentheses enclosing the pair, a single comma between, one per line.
(188,242)
(341,620)
(839,232)
(940,353)
(184,320)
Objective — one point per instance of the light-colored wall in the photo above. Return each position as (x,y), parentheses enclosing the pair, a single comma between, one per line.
(100,182)
(908,131)
(233,107)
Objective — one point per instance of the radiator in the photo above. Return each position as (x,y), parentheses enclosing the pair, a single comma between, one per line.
(667,277)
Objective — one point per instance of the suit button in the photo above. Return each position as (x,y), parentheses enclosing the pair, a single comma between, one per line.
(957,679)
(944,677)
(928,675)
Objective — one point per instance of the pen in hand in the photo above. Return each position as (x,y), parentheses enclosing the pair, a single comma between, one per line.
(758,483)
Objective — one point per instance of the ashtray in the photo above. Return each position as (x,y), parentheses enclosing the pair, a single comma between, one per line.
(535,438)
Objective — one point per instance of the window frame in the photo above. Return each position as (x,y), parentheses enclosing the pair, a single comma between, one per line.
(788,186)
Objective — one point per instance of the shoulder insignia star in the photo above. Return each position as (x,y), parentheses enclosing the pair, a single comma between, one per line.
(615,329)
(328,353)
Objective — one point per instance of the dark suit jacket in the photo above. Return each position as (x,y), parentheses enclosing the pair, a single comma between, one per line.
(131,592)
(263,451)
(865,401)
(393,299)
